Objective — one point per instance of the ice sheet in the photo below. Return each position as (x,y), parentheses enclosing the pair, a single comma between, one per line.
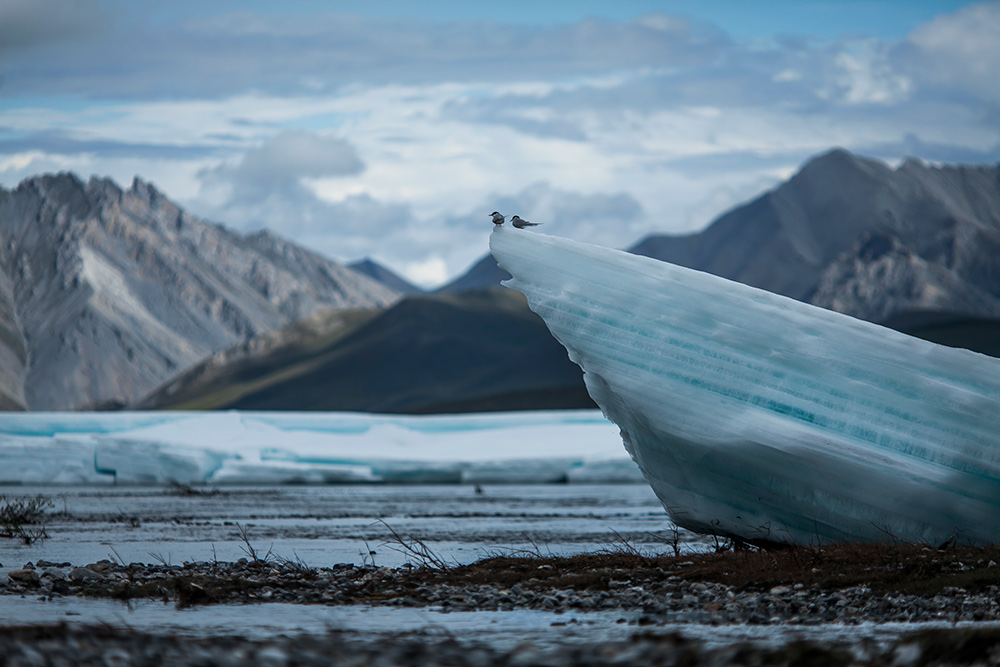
(261,447)
(761,417)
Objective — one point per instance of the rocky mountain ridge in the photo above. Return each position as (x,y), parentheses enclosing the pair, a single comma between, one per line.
(855,235)
(851,234)
(106,293)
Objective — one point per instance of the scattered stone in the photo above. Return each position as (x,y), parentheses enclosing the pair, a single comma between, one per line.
(84,574)
(101,566)
(28,577)
(104,645)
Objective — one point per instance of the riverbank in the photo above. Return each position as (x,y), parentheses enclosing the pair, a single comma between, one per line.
(944,606)
(842,583)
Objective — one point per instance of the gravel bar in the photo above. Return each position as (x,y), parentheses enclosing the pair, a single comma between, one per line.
(845,585)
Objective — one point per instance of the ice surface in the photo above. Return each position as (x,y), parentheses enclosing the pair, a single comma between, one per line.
(286,447)
(756,416)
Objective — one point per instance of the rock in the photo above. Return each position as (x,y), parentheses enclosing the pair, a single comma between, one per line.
(101,566)
(84,574)
(29,577)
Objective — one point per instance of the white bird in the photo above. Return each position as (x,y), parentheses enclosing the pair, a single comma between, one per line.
(521,223)
(497,218)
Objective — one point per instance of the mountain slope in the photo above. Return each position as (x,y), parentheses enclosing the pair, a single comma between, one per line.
(374,270)
(856,236)
(228,375)
(105,293)
(476,351)
(484,273)
(914,248)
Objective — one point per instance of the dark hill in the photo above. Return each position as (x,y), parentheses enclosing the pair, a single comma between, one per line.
(372,269)
(484,273)
(476,351)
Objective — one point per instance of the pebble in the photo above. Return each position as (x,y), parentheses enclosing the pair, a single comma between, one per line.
(82,645)
(666,599)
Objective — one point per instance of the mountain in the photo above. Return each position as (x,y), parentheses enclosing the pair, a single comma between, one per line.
(857,236)
(229,374)
(475,351)
(912,247)
(373,269)
(484,273)
(105,293)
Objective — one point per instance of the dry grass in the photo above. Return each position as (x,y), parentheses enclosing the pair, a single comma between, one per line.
(24,518)
(883,568)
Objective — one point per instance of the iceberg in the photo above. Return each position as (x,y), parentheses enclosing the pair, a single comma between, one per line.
(235,447)
(765,419)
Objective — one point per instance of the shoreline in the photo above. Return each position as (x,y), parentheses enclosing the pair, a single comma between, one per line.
(845,583)
(812,589)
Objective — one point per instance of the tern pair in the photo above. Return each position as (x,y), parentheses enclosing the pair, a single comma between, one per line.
(518,222)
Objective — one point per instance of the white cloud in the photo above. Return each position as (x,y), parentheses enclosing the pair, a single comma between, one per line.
(430,272)
(280,164)
(958,51)
(867,77)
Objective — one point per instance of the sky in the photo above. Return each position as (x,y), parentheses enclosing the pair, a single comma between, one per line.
(392,129)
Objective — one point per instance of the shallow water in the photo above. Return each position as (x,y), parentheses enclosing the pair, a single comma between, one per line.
(501,629)
(325,525)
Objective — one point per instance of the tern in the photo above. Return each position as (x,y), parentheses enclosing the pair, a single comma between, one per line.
(521,223)
(497,218)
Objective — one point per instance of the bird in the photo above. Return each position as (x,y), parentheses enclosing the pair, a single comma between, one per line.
(521,223)
(497,218)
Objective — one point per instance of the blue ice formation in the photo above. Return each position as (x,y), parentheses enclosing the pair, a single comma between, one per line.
(755,416)
(314,447)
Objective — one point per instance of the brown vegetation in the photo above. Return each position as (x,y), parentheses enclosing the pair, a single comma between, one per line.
(908,569)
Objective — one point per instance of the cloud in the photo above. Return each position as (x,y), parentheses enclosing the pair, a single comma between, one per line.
(278,166)
(867,77)
(913,145)
(526,115)
(26,24)
(606,218)
(957,52)
(224,55)
(359,136)
(268,187)
(62,143)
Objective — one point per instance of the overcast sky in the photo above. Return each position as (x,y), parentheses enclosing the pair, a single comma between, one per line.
(391,129)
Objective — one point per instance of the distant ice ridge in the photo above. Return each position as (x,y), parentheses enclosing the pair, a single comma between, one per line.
(756,416)
(286,447)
